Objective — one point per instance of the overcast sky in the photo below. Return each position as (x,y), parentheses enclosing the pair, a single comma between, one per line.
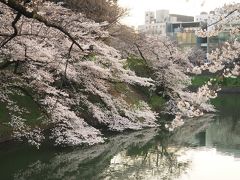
(184,7)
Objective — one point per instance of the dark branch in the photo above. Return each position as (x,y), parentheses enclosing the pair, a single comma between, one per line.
(222,18)
(68,57)
(34,15)
(16,19)
(140,52)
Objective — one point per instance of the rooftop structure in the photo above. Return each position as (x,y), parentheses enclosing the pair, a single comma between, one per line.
(183,33)
(156,22)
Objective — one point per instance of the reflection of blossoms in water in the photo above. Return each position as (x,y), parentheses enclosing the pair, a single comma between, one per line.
(148,154)
(78,164)
(143,155)
(156,163)
(137,155)
(177,122)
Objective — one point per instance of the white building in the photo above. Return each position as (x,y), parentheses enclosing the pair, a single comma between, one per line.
(203,17)
(153,29)
(149,17)
(212,18)
(206,18)
(162,16)
(156,23)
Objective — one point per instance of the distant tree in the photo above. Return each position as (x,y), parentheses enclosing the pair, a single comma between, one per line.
(98,10)
(123,39)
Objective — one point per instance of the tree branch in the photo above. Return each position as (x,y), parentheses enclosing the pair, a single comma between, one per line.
(68,57)
(140,52)
(16,19)
(222,18)
(34,15)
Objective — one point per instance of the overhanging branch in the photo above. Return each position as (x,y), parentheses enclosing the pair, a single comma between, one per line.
(34,15)
(222,18)
(16,19)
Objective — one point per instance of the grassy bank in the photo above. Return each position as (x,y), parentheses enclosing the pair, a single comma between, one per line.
(31,113)
(222,81)
(141,68)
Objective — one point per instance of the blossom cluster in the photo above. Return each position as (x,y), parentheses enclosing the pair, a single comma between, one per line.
(70,72)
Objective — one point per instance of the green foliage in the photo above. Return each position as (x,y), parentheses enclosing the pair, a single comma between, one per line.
(32,113)
(156,102)
(139,66)
(200,80)
(231,82)
(225,82)
(226,105)
(130,95)
(5,130)
(90,57)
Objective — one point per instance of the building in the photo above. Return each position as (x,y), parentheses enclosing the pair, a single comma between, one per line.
(181,29)
(156,22)
(153,29)
(180,18)
(183,33)
(162,16)
(149,17)
(204,17)
(217,41)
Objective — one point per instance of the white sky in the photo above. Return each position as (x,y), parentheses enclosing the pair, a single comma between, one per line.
(185,7)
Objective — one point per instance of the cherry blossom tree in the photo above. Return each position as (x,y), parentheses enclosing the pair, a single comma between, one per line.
(59,58)
(197,56)
(97,10)
(224,58)
(223,61)
(170,67)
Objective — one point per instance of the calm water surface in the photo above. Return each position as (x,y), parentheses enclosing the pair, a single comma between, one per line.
(207,148)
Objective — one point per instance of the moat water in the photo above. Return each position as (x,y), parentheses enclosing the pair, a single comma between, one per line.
(206,148)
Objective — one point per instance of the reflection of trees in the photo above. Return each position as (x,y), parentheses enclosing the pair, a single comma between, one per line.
(224,133)
(138,155)
(229,114)
(146,154)
(84,163)
(153,161)
(186,135)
